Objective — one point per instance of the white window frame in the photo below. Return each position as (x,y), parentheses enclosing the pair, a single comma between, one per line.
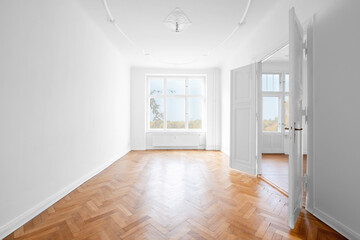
(165,96)
(286,132)
(281,95)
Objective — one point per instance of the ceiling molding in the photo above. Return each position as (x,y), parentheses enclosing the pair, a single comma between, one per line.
(180,15)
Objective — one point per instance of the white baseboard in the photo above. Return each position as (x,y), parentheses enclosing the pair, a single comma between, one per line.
(40,207)
(243,168)
(335,224)
(213,147)
(273,151)
(175,148)
(225,150)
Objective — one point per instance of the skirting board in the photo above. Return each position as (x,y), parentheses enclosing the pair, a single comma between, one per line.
(213,147)
(175,148)
(242,168)
(225,150)
(37,209)
(338,226)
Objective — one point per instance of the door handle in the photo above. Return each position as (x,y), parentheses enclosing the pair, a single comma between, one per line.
(296,129)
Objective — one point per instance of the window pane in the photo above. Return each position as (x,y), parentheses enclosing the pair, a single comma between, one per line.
(175,110)
(271,114)
(156,112)
(156,86)
(195,113)
(175,86)
(271,83)
(196,86)
(287,113)
(287,82)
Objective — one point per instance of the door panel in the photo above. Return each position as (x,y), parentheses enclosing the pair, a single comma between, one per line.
(295,140)
(272,143)
(243,121)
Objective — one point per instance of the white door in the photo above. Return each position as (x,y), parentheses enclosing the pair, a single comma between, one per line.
(295,122)
(243,119)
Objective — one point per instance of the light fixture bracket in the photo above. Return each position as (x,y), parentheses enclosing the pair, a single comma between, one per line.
(177,21)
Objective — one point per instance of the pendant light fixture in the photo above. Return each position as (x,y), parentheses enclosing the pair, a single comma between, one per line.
(177,21)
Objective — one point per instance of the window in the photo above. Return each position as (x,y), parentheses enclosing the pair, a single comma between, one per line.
(176,102)
(275,87)
(271,82)
(286,101)
(271,114)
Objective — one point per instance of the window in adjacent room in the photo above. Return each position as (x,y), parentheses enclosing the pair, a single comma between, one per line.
(275,87)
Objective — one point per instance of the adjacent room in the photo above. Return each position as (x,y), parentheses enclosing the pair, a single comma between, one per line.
(275,97)
(179,119)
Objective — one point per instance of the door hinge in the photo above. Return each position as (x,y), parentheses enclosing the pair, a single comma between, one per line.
(304,178)
(305,181)
(304,113)
(305,48)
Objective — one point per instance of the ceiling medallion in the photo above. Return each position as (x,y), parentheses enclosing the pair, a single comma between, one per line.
(177,21)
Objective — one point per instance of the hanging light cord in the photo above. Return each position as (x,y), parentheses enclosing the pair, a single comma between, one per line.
(113,21)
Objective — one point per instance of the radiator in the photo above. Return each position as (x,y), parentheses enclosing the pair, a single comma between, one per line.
(188,140)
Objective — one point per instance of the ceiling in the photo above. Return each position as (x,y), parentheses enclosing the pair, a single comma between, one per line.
(148,42)
(281,55)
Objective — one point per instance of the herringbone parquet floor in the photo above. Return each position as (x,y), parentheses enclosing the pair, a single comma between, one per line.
(172,195)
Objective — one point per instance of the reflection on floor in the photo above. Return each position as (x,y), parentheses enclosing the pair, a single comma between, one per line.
(275,168)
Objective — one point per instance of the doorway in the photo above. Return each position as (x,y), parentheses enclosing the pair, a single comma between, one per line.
(274,96)
(275,119)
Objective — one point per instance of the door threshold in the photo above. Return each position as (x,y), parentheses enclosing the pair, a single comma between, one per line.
(282,191)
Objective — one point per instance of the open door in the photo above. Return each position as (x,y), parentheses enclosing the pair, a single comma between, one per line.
(295,122)
(243,119)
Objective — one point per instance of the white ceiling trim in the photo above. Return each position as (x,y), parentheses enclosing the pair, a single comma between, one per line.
(139,48)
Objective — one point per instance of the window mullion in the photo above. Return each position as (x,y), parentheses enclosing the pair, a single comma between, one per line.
(165,104)
(186,103)
(282,112)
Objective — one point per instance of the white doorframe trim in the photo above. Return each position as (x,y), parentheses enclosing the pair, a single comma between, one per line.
(259,130)
(309,202)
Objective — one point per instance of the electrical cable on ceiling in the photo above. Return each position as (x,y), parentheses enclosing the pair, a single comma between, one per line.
(113,21)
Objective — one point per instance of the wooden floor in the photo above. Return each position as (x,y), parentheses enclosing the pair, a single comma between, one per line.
(275,168)
(172,195)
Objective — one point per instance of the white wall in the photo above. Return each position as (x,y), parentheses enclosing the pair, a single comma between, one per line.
(336,116)
(275,67)
(64,103)
(138,105)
